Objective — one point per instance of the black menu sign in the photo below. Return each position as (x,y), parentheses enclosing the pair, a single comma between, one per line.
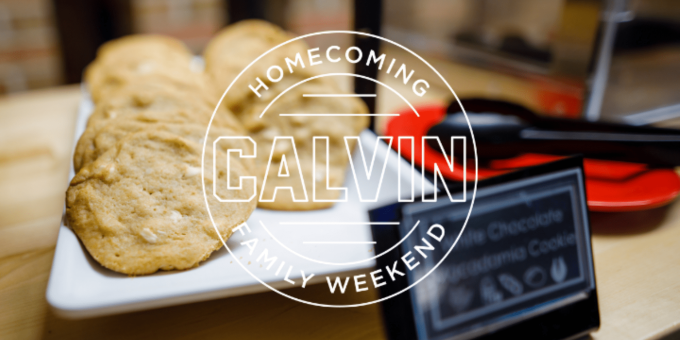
(524,253)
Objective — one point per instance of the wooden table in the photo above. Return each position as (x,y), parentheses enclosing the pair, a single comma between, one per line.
(637,258)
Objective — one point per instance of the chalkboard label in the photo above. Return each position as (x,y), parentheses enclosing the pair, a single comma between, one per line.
(525,251)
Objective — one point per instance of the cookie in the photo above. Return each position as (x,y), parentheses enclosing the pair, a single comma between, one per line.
(303,129)
(238,45)
(151,104)
(233,50)
(144,59)
(157,101)
(139,207)
(95,142)
(132,46)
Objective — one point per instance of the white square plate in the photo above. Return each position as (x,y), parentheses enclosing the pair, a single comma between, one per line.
(79,287)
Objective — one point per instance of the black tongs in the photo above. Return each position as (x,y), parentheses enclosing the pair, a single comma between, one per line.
(504,130)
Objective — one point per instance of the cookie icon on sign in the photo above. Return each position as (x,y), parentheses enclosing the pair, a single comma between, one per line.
(558,270)
(535,277)
(489,292)
(511,284)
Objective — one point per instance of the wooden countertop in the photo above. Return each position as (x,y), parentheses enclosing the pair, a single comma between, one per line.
(637,257)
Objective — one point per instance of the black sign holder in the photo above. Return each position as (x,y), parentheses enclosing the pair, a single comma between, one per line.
(567,320)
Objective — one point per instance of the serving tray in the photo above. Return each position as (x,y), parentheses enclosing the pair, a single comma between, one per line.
(79,287)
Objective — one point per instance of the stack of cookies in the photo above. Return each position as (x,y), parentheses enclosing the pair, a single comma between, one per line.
(137,200)
(231,52)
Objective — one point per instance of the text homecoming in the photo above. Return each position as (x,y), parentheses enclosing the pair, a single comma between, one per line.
(334,54)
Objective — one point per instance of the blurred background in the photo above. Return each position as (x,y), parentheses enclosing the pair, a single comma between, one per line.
(612,60)
(597,60)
